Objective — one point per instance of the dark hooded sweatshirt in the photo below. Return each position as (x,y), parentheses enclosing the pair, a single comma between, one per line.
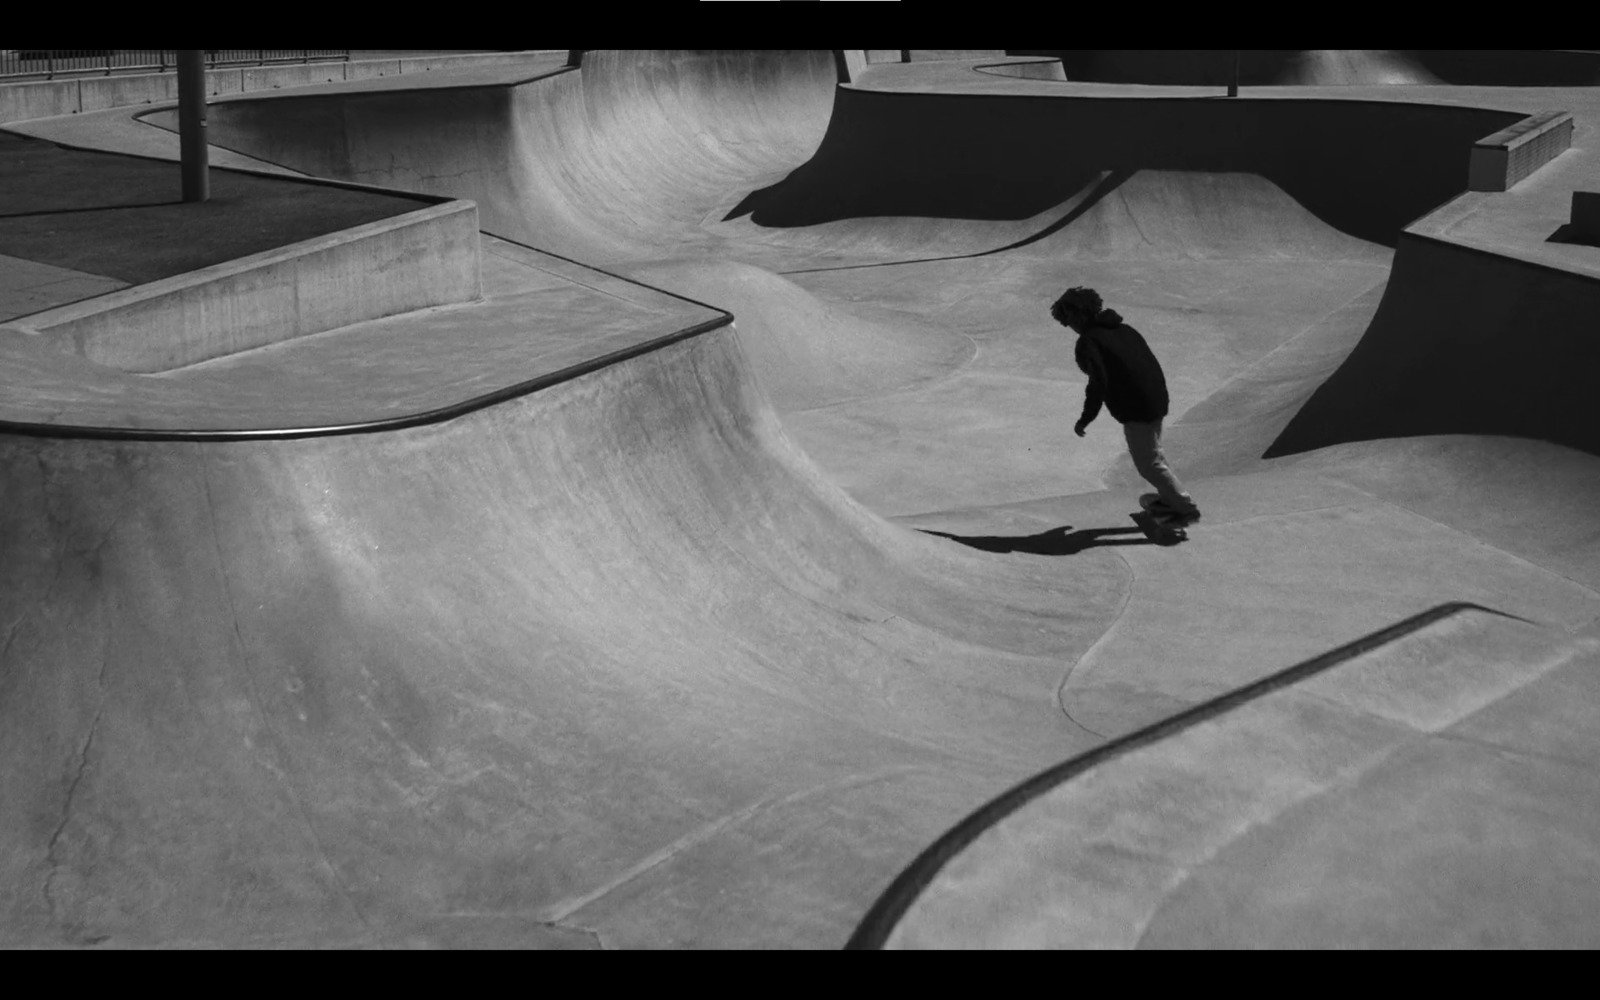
(1122,371)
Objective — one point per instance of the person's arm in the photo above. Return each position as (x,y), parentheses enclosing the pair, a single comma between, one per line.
(1094,392)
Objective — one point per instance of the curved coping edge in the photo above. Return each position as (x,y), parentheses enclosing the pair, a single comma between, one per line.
(437,415)
(880,921)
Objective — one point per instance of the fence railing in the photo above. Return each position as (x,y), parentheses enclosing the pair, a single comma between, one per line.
(48,64)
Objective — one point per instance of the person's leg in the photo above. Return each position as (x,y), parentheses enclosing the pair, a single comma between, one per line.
(1144,446)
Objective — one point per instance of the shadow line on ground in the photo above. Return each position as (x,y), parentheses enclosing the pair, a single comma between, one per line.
(1062,541)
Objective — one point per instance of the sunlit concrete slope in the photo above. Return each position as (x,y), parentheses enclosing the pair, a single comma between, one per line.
(1529,498)
(1465,342)
(808,352)
(596,162)
(1431,792)
(561,670)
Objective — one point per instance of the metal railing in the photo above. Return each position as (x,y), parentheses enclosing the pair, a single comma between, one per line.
(47,64)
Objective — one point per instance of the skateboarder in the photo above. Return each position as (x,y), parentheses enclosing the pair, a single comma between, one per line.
(1125,375)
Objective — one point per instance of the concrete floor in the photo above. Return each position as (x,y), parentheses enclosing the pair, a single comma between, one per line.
(701,649)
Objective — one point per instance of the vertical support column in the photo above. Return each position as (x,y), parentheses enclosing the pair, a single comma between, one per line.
(1233,84)
(192,125)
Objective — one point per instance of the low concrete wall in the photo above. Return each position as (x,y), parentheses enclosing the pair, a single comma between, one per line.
(1501,160)
(486,60)
(413,261)
(96,93)
(49,99)
(300,75)
(368,69)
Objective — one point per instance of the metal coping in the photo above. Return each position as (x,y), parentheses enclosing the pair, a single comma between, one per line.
(881,920)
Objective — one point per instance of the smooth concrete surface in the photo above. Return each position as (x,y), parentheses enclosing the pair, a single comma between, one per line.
(552,718)
(28,286)
(1436,792)
(702,647)
(409,262)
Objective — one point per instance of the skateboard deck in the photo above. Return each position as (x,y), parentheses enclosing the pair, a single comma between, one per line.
(1162,530)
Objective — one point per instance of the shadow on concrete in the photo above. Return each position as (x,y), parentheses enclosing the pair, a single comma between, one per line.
(1365,168)
(809,195)
(1568,234)
(1062,541)
(1109,182)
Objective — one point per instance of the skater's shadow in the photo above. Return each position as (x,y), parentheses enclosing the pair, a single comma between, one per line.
(1062,541)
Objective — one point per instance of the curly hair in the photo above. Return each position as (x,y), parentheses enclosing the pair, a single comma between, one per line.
(1079,300)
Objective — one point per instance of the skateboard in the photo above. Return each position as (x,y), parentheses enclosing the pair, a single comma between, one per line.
(1163,529)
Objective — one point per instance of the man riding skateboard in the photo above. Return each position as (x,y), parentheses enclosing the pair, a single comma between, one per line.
(1127,378)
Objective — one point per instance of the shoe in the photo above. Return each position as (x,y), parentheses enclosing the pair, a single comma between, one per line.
(1153,503)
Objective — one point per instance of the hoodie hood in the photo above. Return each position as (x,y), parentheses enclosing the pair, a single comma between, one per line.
(1108,317)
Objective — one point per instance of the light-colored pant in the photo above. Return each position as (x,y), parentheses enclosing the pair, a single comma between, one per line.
(1144,445)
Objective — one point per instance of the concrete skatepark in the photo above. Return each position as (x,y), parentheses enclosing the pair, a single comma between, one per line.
(641,511)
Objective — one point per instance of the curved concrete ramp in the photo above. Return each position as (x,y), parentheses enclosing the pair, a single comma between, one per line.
(1430,792)
(808,352)
(411,687)
(598,163)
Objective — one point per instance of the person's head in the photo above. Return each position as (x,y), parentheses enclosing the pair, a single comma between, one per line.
(1077,308)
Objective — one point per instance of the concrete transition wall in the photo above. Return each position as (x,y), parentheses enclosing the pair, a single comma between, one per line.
(1464,342)
(590,161)
(413,261)
(1367,168)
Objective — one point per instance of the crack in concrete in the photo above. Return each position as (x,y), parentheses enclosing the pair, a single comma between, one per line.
(79,770)
(59,560)
(11,636)
(256,699)
(1122,196)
